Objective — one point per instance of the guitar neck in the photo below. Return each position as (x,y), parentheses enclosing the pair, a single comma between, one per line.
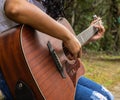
(84,36)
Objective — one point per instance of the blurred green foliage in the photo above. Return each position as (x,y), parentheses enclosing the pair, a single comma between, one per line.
(80,12)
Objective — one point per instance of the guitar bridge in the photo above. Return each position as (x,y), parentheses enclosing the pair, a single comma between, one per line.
(56,59)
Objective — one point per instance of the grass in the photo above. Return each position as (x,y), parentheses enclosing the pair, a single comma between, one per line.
(102,68)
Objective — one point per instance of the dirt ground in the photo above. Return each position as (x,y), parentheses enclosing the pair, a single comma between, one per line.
(116,92)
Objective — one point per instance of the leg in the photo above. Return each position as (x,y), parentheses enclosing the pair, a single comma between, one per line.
(4,88)
(84,93)
(95,87)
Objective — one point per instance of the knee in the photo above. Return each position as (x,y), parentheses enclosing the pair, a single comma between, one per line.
(108,93)
(111,96)
(97,96)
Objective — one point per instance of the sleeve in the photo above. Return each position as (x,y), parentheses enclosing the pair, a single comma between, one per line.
(2,4)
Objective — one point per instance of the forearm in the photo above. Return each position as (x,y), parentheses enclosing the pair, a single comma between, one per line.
(29,14)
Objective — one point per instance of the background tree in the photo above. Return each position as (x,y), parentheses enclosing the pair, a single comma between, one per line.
(80,12)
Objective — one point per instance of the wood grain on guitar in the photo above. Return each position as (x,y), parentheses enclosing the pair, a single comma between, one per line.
(24,56)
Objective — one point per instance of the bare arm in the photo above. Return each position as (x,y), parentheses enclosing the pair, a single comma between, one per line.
(24,12)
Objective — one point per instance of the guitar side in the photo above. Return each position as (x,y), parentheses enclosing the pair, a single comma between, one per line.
(13,64)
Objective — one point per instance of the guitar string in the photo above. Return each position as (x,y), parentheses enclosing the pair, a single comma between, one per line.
(84,36)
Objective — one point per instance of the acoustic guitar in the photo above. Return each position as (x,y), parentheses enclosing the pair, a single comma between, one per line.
(35,65)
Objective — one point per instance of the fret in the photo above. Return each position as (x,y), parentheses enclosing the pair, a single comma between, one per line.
(84,36)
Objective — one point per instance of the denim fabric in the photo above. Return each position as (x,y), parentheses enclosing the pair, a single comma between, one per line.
(4,88)
(89,90)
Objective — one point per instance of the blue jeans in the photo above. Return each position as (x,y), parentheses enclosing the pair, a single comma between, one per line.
(89,90)
(4,88)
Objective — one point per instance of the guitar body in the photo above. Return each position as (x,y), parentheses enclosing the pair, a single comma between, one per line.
(24,56)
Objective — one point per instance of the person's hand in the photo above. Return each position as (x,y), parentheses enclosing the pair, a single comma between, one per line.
(74,47)
(101,29)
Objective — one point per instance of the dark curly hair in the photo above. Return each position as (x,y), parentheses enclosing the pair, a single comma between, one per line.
(54,8)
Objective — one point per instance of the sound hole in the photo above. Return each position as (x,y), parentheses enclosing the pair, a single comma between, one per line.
(67,53)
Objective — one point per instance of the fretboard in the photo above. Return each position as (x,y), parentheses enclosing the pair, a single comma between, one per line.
(85,35)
